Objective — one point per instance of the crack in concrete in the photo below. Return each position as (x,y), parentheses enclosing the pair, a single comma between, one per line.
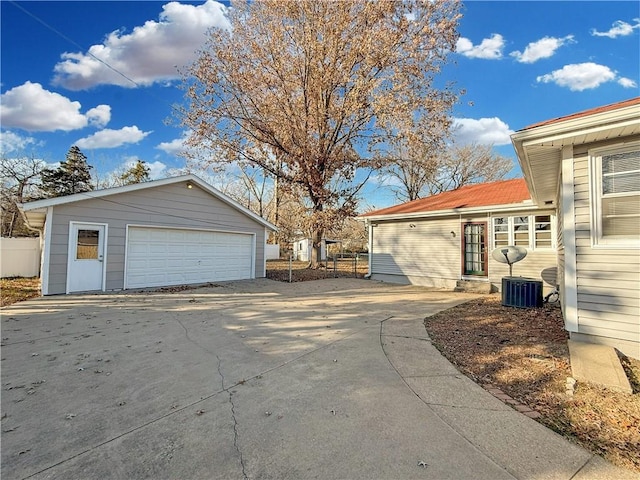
(202,399)
(235,420)
(224,389)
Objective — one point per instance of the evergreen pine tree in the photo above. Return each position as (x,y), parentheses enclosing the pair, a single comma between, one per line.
(137,174)
(72,176)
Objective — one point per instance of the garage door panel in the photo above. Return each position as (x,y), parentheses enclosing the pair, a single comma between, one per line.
(158,256)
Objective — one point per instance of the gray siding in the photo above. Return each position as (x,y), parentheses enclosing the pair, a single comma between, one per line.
(608,279)
(167,206)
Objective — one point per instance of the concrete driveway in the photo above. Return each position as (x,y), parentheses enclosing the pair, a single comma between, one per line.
(328,379)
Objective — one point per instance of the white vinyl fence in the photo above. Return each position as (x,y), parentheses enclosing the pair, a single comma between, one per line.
(272,251)
(19,257)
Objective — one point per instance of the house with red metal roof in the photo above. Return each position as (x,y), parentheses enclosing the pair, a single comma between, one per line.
(587,166)
(577,209)
(445,240)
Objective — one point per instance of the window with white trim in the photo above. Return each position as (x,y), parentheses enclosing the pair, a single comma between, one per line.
(616,195)
(542,234)
(530,231)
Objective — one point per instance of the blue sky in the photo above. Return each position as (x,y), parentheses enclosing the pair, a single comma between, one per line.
(520,62)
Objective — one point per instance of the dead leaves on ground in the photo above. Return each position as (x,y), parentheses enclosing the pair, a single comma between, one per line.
(524,353)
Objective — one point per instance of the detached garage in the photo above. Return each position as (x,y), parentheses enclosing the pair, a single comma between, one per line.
(173,231)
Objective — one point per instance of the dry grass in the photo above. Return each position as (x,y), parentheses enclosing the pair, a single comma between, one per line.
(524,353)
(279,270)
(18,289)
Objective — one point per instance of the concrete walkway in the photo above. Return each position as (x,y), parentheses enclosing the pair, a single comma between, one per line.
(333,379)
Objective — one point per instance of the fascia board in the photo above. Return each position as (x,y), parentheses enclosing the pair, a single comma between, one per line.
(578,126)
(458,211)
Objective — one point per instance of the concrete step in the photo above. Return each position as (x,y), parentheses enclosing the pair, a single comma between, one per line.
(472,286)
(598,364)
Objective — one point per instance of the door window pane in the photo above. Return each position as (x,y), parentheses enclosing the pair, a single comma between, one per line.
(87,245)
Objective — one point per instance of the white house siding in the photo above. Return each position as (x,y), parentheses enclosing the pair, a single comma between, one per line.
(608,279)
(169,206)
(423,254)
(533,264)
(428,254)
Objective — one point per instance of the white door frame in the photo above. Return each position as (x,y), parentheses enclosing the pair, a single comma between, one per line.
(102,251)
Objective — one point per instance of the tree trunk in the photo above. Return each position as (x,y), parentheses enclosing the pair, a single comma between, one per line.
(316,248)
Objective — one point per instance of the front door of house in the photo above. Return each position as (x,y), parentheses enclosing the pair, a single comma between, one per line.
(474,249)
(85,269)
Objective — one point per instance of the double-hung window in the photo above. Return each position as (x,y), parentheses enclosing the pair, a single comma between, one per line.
(616,196)
(530,231)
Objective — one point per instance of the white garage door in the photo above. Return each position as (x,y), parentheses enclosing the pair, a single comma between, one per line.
(162,256)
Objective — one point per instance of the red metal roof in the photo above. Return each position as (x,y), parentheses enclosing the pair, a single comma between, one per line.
(585,113)
(502,192)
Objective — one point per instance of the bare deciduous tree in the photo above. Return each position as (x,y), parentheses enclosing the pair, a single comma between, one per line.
(20,183)
(471,163)
(317,88)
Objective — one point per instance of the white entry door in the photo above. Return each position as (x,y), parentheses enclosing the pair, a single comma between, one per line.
(85,270)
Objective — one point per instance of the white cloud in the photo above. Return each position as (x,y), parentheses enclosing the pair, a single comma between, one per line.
(32,108)
(99,116)
(489,48)
(618,29)
(150,53)
(174,147)
(156,169)
(483,131)
(109,138)
(12,142)
(543,48)
(627,82)
(579,76)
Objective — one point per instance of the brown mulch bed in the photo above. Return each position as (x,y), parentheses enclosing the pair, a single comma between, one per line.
(18,289)
(279,270)
(524,353)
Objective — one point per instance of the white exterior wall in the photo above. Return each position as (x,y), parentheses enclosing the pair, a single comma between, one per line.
(537,259)
(423,254)
(428,252)
(19,257)
(302,250)
(608,277)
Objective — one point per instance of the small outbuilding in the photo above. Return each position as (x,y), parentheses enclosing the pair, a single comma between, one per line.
(165,232)
(303,246)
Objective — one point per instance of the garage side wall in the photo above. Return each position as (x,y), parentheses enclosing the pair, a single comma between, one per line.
(172,205)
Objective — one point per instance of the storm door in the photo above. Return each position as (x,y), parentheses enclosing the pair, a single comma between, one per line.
(474,249)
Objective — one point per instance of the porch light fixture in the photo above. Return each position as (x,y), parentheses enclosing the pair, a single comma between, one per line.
(189,186)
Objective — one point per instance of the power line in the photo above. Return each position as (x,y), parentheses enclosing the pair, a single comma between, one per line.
(88,52)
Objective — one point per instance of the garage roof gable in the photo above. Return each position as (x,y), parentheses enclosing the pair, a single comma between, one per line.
(35,211)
